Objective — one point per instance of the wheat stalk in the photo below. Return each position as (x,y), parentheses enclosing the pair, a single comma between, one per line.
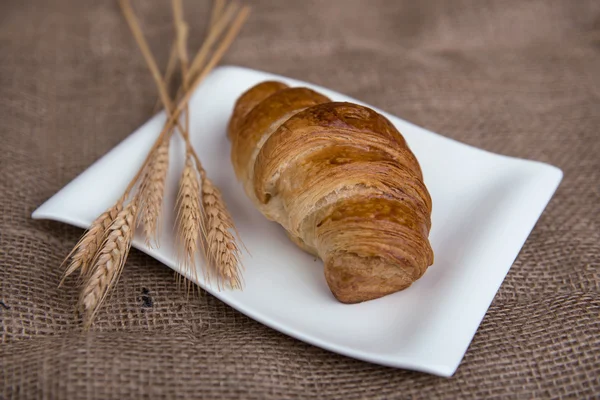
(216,11)
(152,191)
(84,251)
(169,74)
(108,262)
(188,199)
(230,35)
(217,28)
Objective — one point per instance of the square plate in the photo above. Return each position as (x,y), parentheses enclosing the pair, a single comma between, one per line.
(484,207)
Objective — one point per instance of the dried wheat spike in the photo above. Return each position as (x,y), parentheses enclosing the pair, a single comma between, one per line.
(85,250)
(188,217)
(108,262)
(223,254)
(152,192)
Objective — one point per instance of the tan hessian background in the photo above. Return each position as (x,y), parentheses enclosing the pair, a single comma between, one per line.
(516,77)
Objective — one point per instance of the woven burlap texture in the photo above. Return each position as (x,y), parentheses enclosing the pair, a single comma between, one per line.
(516,77)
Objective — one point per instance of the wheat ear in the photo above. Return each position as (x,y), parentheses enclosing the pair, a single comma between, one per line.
(85,250)
(108,262)
(152,191)
(221,250)
(189,217)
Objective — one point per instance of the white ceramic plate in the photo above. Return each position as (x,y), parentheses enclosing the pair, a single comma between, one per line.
(484,207)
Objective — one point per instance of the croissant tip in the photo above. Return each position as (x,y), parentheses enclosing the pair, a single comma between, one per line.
(350,282)
(353,296)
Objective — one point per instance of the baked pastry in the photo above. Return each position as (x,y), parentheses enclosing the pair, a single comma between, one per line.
(341,180)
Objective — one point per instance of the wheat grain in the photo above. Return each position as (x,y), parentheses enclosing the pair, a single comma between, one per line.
(152,192)
(221,250)
(85,250)
(189,217)
(108,262)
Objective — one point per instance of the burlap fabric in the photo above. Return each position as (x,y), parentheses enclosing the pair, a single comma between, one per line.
(516,77)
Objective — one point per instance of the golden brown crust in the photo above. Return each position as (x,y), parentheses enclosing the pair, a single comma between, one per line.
(343,183)
(250,99)
(260,121)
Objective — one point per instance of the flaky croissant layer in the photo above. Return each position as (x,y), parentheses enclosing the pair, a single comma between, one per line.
(341,180)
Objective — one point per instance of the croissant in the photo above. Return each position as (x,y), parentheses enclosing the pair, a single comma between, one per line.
(342,182)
